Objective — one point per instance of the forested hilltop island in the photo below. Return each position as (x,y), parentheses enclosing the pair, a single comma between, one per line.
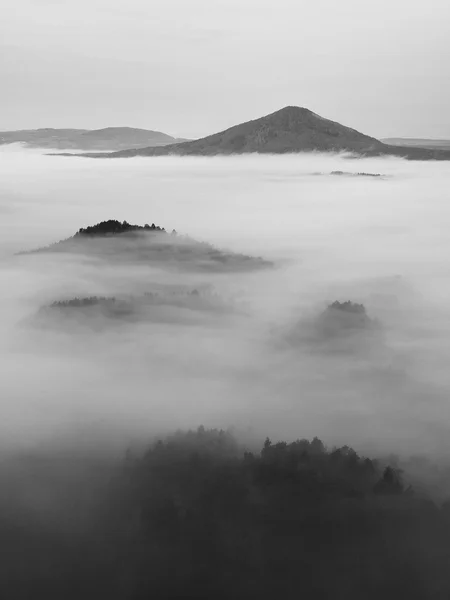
(120,241)
(198,515)
(289,130)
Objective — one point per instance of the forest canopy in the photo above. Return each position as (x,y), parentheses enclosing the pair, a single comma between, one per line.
(197,515)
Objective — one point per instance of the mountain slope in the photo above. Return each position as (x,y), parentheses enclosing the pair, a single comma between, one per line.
(110,138)
(291,129)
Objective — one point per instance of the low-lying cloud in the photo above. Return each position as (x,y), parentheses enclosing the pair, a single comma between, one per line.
(381,241)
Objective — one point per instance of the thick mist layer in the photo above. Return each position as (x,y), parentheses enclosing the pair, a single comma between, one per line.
(381,241)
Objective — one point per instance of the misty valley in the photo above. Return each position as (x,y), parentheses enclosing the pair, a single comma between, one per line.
(224,377)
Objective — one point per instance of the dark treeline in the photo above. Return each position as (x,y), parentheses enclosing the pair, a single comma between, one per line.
(83,302)
(348,306)
(188,297)
(115,227)
(107,300)
(197,516)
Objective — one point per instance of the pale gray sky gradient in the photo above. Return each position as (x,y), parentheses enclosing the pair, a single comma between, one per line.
(193,67)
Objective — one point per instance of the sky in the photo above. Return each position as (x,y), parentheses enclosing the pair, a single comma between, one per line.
(194,67)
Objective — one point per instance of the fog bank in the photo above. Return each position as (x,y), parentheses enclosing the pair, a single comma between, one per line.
(381,241)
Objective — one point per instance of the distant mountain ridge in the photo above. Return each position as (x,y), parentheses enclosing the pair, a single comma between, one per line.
(432,144)
(109,138)
(289,130)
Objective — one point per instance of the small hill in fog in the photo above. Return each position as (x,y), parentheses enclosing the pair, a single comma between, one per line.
(343,327)
(121,242)
(162,304)
(110,138)
(291,129)
(341,318)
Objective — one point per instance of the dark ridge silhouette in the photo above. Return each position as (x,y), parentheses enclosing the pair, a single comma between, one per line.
(109,138)
(196,515)
(122,242)
(291,129)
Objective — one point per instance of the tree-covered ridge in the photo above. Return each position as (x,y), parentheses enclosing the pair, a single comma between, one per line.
(197,515)
(352,473)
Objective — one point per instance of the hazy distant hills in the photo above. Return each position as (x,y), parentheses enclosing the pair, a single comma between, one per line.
(291,129)
(110,138)
(418,143)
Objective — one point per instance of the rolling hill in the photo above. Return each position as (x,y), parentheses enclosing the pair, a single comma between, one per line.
(291,129)
(109,139)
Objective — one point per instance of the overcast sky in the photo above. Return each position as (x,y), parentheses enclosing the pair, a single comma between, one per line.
(193,67)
